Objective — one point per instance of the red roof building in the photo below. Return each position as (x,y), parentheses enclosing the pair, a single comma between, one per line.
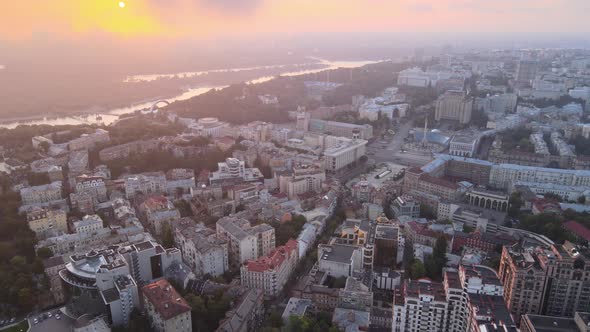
(165,308)
(577,230)
(270,273)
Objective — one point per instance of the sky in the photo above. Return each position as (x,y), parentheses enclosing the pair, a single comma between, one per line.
(25,21)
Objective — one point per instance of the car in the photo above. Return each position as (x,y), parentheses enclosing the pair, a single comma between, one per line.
(49,314)
(58,317)
(35,321)
(12,320)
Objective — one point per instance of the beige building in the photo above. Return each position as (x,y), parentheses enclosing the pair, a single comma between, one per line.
(551,281)
(270,273)
(454,105)
(165,309)
(244,241)
(47,222)
(304,178)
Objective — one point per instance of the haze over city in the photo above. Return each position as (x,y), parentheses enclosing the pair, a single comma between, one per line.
(294,166)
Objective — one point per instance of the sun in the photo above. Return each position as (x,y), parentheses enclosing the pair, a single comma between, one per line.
(121,4)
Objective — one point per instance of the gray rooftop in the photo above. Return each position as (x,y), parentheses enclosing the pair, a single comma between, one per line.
(338,253)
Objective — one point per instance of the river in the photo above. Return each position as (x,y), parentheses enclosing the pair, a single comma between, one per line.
(109,116)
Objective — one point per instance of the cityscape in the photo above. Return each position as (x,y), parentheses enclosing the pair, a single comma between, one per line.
(442,186)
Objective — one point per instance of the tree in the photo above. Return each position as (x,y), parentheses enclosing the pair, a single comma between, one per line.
(417,269)
(479,118)
(167,236)
(435,263)
(44,253)
(426,211)
(514,204)
(467,228)
(582,199)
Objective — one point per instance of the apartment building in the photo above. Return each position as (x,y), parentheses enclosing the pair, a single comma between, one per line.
(244,241)
(200,247)
(152,183)
(165,309)
(270,273)
(552,280)
(302,179)
(344,153)
(46,222)
(88,224)
(157,211)
(41,194)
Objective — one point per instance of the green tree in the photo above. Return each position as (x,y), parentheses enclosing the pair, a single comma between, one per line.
(417,269)
(44,253)
(426,211)
(582,199)
(514,204)
(167,236)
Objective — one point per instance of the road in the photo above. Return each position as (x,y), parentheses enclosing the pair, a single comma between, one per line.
(52,324)
(391,151)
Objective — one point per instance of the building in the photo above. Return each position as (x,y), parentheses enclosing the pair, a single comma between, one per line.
(52,266)
(419,78)
(387,240)
(157,211)
(125,150)
(270,273)
(303,119)
(200,247)
(502,175)
(497,104)
(247,315)
(41,194)
(545,280)
(341,129)
(364,191)
(495,200)
(406,205)
(146,183)
(209,127)
(346,152)
(339,260)
(295,307)
(89,224)
(454,105)
(106,280)
(526,71)
(303,179)
(89,141)
(234,169)
(47,222)
(351,320)
(463,145)
(421,305)
(165,309)
(539,323)
(244,241)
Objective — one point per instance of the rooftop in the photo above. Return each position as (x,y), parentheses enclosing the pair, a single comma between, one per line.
(337,253)
(165,299)
(550,323)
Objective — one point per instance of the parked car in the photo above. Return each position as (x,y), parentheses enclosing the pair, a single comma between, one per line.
(35,321)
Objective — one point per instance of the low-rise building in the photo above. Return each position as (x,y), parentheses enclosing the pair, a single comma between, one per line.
(247,315)
(89,224)
(167,311)
(41,194)
(47,222)
(244,241)
(157,211)
(146,183)
(406,205)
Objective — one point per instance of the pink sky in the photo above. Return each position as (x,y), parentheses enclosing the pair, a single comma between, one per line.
(197,19)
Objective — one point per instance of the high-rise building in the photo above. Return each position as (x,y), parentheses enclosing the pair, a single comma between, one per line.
(553,281)
(454,105)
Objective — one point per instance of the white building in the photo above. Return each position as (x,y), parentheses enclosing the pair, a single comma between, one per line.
(145,183)
(343,153)
(454,105)
(303,178)
(165,309)
(463,145)
(88,224)
(234,169)
(46,222)
(339,260)
(270,273)
(209,127)
(419,78)
(582,92)
(502,175)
